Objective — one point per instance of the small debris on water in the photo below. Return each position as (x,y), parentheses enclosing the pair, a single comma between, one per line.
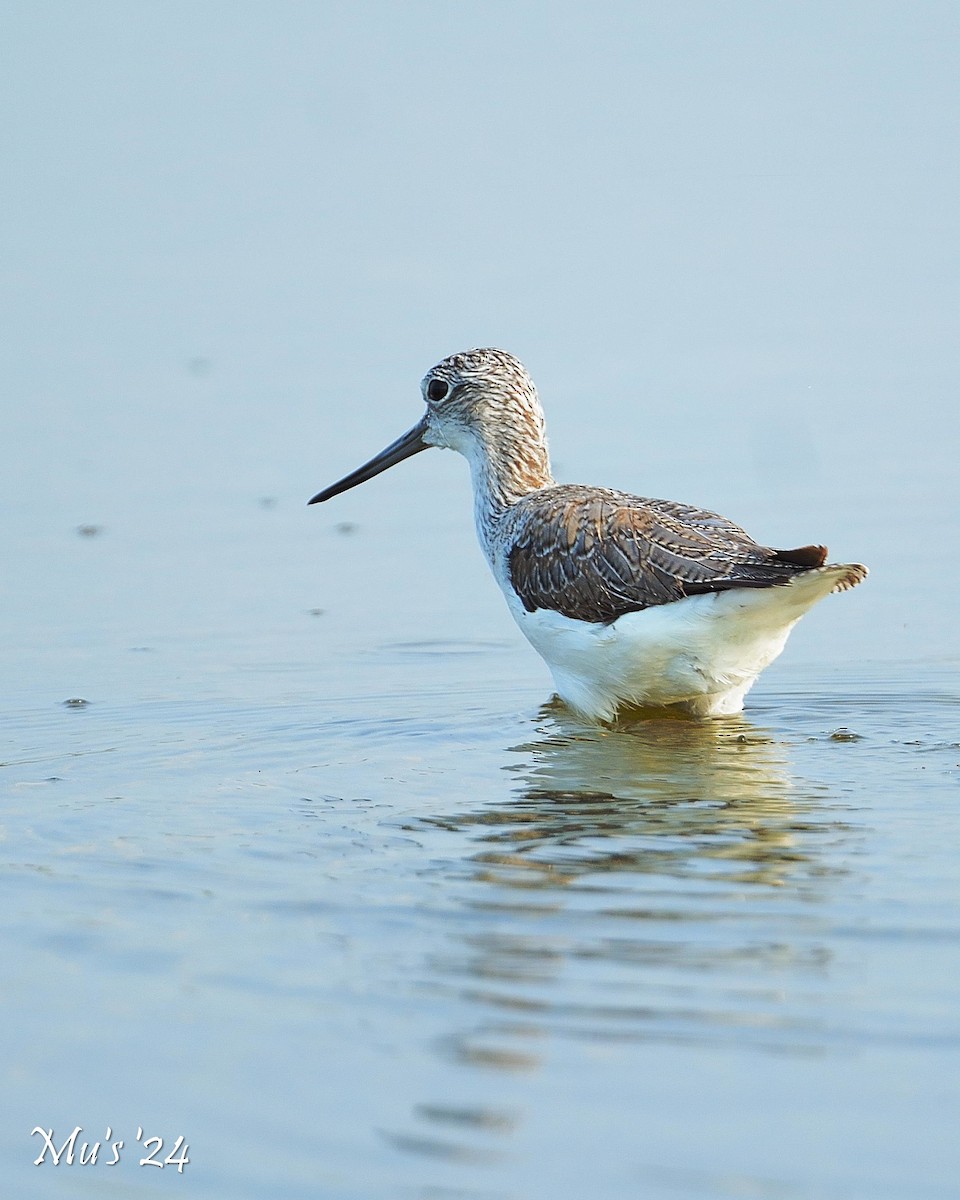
(752,739)
(89,530)
(316,612)
(845,735)
(75,702)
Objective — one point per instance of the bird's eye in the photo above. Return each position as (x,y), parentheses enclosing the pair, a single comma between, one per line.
(438,389)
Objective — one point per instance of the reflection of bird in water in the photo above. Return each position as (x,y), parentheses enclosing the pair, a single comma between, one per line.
(629,601)
(660,797)
(657,881)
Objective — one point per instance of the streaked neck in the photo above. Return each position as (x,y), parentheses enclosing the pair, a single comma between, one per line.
(504,470)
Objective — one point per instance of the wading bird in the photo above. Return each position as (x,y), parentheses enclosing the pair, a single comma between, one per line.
(631,602)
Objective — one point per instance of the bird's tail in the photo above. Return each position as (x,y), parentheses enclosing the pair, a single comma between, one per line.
(846,575)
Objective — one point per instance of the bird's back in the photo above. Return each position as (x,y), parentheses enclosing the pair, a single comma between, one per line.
(595,554)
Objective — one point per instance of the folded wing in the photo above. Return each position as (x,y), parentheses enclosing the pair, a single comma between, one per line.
(594,554)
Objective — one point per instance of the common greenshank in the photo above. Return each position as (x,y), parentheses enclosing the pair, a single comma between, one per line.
(631,602)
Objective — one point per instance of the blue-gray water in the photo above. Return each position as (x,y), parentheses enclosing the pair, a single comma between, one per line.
(298,859)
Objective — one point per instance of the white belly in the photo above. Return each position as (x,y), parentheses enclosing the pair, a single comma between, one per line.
(702,653)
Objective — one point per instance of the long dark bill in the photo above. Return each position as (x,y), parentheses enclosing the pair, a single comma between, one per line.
(404,447)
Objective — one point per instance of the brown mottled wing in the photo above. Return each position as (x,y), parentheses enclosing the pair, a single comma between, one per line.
(594,555)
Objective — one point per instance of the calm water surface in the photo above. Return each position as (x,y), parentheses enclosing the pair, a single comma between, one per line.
(300,861)
(361,915)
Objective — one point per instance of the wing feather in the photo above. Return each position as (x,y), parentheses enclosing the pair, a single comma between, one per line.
(595,554)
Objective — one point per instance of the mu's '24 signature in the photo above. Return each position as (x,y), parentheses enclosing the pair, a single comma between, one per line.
(87,1154)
